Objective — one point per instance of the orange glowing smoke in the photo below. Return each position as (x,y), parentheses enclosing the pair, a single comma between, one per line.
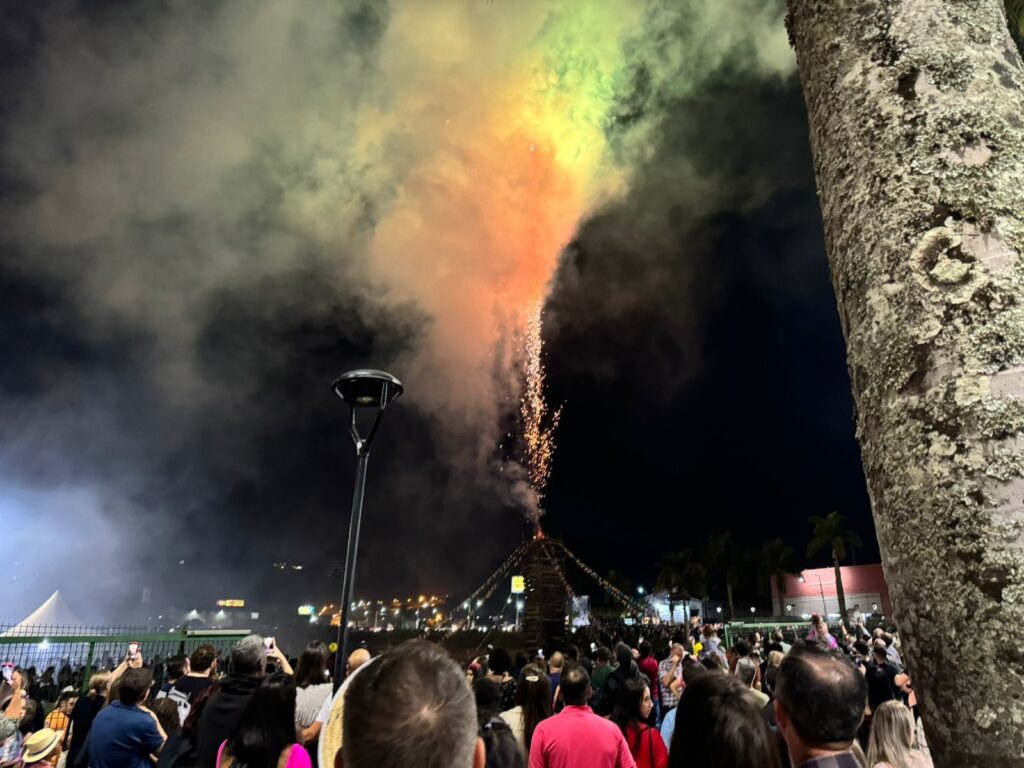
(495,122)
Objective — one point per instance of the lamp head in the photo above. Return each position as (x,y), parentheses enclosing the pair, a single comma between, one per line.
(367,387)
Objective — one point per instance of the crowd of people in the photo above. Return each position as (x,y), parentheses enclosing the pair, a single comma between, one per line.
(814,700)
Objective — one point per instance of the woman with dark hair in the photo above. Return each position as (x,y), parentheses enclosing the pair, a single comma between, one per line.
(180,749)
(311,683)
(499,664)
(265,736)
(166,712)
(533,704)
(633,707)
(717,724)
(499,741)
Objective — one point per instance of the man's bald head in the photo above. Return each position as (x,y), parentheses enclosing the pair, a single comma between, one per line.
(356,659)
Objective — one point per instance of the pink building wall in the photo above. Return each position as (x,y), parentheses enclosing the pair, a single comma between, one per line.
(860,583)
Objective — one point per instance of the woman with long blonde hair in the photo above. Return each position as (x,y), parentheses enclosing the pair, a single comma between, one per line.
(892,739)
(85,710)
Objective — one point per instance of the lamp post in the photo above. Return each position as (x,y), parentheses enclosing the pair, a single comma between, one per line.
(360,389)
(821,590)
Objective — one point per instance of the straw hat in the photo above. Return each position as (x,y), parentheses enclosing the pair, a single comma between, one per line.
(330,734)
(41,744)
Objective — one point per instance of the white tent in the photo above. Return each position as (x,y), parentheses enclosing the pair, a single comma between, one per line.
(52,613)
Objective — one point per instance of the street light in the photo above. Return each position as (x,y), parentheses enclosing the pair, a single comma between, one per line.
(360,389)
(519,607)
(821,590)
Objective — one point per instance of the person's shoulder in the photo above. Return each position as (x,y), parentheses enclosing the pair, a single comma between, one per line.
(298,757)
(542,728)
(603,723)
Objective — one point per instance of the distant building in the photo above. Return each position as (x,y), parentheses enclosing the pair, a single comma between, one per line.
(681,609)
(814,590)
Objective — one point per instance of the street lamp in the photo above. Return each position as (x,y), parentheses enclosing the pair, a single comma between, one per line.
(821,590)
(360,389)
(519,607)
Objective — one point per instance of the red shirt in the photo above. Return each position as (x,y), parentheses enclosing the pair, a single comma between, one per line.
(650,668)
(577,738)
(646,746)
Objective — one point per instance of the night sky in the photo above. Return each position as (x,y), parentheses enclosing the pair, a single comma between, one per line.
(208,212)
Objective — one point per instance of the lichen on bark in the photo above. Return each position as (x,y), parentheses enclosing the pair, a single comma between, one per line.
(916,113)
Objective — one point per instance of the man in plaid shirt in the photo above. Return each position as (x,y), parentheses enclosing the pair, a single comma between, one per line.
(670,673)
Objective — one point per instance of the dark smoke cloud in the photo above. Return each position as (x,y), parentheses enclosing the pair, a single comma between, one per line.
(695,340)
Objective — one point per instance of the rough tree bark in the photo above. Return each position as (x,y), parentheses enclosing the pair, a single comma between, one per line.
(916,111)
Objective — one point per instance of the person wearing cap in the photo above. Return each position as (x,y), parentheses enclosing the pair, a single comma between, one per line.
(42,748)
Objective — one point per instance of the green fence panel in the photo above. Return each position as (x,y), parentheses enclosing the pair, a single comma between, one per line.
(72,654)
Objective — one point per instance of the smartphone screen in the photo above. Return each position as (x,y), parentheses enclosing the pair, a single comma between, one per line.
(133,651)
(268,645)
(8,671)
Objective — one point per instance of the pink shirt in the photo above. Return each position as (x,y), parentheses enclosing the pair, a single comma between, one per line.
(298,757)
(577,738)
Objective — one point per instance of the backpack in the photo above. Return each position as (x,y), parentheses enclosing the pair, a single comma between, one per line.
(180,699)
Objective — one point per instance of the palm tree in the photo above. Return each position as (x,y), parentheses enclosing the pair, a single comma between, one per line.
(776,561)
(1015,15)
(725,559)
(831,533)
(682,576)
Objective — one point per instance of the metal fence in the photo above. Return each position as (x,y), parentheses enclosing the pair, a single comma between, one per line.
(791,628)
(68,655)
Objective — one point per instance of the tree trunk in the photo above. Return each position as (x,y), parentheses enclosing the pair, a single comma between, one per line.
(778,582)
(732,609)
(840,594)
(916,111)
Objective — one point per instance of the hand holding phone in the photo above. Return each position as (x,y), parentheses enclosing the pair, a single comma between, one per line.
(133,650)
(8,671)
(269,645)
